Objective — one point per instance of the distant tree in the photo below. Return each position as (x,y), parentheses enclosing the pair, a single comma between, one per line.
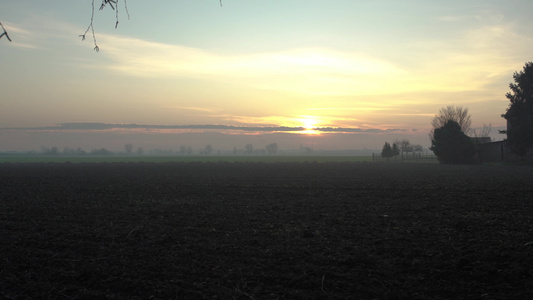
(387,151)
(67,151)
(417,149)
(305,149)
(395,149)
(72,151)
(49,151)
(249,148)
(140,150)
(458,114)
(451,145)
(272,148)
(101,152)
(208,149)
(80,151)
(128,148)
(403,145)
(519,114)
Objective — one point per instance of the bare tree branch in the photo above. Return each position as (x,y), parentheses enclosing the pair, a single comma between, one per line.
(91,27)
(114,5)
(485,133)
(4,33)
(458,114)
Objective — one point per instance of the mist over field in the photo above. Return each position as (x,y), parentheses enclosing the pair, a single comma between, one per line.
(113,137)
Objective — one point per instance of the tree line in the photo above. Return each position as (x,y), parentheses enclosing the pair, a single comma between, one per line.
(400,148)
(449,137)
(129,149)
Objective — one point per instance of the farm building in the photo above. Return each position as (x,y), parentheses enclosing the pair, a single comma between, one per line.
(498,151)
(488,151)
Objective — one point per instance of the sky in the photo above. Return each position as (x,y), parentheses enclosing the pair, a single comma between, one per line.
(342,74)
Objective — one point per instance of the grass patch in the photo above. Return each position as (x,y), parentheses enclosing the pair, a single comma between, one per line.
(164,159)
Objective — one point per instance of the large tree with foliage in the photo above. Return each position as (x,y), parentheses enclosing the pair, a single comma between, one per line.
(451,145)
(519,114)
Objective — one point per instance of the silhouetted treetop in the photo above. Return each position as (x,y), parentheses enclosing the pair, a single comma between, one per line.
(451,145)
(519,114)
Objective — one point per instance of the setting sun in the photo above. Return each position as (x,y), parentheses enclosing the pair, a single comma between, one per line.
(309,126)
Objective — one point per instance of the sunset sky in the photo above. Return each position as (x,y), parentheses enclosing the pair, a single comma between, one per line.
(379,70)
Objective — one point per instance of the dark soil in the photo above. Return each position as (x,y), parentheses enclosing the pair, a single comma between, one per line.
(265,231)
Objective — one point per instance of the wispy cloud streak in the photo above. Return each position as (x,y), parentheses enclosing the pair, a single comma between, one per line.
(107,126)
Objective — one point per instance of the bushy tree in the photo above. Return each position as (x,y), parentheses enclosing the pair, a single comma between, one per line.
(451,145)
(387,151)
(519,114)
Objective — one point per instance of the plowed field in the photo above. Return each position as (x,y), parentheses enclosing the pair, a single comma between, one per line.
(265,231)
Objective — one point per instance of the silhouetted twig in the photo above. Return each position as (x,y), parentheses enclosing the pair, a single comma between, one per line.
(91,27)
(114,6)
(4,33)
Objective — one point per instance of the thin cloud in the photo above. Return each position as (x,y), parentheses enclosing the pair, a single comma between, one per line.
(304,70)
(201,109)
(143,58)
(476,57)
(76,127)
(358,108)
(471,61)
